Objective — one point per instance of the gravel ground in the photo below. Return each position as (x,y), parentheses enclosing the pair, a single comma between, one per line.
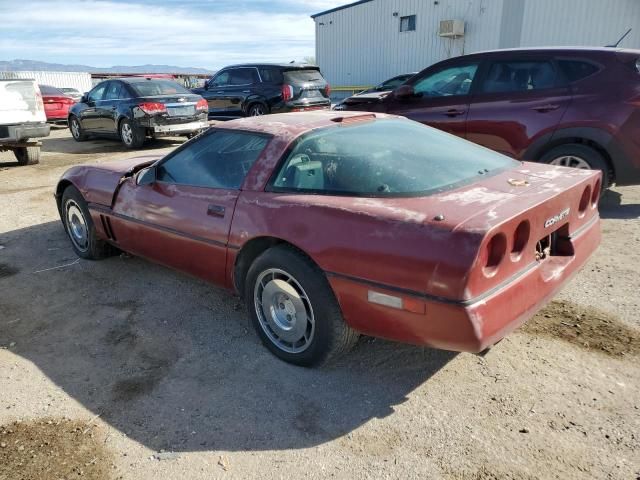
(153,374)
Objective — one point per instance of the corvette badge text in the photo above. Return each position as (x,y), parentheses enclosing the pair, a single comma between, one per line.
(556,218)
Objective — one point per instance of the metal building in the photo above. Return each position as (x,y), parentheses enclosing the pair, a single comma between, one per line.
(368,41)
(79,80)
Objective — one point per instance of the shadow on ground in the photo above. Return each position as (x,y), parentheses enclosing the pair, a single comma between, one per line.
(173,362)
(68,145)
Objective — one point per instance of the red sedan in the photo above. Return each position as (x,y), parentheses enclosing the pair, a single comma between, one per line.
(333,224)
(56,103)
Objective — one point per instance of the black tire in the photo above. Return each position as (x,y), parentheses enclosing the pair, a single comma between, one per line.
(77,132)
(331,335)
(130,135)
(74,206)
(257,110)
(582,153)
(27,155)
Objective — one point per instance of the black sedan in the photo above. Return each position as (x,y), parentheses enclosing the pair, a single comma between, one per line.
(133,109)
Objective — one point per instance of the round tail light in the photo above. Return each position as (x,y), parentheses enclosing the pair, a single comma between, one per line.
(520,239)
(495,251)
(584,200)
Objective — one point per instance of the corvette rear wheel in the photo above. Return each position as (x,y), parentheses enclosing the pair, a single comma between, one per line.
(80,228)
(294,310)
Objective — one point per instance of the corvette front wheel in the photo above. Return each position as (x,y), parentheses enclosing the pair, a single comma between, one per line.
(294,310)
(80,228)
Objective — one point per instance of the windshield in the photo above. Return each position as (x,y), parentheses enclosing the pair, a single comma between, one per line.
(150,88)
(394,157)
(392,83)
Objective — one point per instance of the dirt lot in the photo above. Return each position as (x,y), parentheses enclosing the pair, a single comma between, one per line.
(125,369)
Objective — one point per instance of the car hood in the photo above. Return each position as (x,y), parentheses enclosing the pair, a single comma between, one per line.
(126,165)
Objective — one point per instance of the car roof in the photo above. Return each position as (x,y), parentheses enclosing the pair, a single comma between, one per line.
(297,123)
(277,65)
(557,50)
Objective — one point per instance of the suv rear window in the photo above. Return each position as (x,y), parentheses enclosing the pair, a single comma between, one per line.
(384,158)
(149,88)
(303,76)
(576,70)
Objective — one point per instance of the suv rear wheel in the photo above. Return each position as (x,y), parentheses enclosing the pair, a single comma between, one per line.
(257,110)
(578,156)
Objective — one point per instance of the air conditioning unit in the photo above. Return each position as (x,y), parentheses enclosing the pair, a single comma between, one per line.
(451,28)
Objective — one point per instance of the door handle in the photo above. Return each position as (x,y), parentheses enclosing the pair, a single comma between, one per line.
(246,91)
(215,210)
(454,112)
(546,108)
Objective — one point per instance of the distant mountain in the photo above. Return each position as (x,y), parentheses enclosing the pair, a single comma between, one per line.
(34,65)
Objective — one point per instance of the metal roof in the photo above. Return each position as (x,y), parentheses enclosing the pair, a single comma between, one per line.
(349,5)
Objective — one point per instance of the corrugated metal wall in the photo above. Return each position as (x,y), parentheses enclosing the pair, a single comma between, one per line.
(363,45)
(581,22)
(78,80)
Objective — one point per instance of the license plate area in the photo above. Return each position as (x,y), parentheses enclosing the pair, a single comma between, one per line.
(556,244)
(181,111)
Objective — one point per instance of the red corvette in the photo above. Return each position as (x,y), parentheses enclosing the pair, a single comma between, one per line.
(331,224)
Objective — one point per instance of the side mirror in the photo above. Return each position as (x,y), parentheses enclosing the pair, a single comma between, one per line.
(146,176)
(206,85)
(404,91)
(84,98)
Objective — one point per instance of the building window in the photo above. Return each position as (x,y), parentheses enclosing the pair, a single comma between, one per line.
(408,23)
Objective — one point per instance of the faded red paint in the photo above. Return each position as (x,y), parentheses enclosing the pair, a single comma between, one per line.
(390,245)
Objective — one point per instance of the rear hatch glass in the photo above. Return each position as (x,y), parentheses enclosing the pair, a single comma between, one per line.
(308,82)
(152,88)
(20,102)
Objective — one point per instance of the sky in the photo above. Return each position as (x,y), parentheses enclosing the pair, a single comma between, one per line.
(185,33)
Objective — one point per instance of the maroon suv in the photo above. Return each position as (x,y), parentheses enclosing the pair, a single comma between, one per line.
(578,107)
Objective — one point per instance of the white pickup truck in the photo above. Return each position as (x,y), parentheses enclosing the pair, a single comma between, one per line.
(22,119)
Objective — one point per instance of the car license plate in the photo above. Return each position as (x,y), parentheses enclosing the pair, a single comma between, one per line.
(186,111)
(313,94)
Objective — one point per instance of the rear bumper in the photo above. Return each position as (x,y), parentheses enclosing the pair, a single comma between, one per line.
(180,128)
(465,326)
(301,106)
(21,132)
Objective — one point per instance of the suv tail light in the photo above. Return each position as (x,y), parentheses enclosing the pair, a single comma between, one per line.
(152,108)
(202,105)
(287,92)
(327,90)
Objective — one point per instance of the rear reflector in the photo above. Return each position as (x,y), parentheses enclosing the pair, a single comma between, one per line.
(409,304)
(384,299)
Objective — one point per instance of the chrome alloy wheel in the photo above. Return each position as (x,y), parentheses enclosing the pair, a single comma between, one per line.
(257,111)
(570,161)
(77,226)
(75,128)
(284,310)
(127,133)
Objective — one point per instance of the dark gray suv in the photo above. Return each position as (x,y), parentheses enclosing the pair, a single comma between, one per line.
(259,89)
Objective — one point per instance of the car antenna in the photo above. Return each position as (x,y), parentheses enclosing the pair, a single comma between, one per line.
(621,38)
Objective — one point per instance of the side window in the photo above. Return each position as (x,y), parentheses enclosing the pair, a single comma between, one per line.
(243,76)
(575,70)
(450,81)
(519,77)
(113,91)
(220,80)
(97,92)
(271,75)
(220,159)
(408,23)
